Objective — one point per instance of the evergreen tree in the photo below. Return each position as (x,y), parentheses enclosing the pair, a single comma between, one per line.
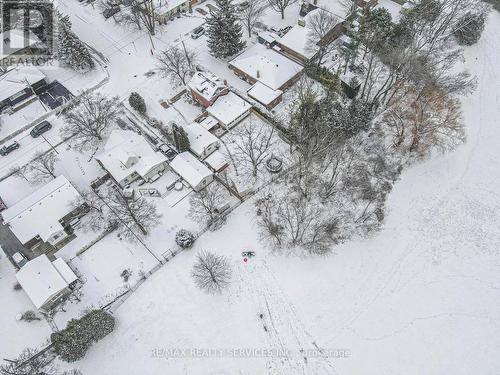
(70,50)
(137,102)
(224,30)
(470,28)
(181,139)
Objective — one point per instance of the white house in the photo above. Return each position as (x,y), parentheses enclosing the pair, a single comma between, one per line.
(42,215)
(167,9)
(193,171)
(264,65)
(127,157)
(46,282)
(201,142)
(229,109)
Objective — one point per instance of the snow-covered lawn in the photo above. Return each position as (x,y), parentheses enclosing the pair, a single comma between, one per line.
(16,335)
(419,297)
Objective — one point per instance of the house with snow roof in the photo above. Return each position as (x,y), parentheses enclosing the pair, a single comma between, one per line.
(128,157)
(167,9)
(193,171)
(201,142)
(41,220)
(19,84)
(206,87)
(229,110)
(270,72)
(46,283)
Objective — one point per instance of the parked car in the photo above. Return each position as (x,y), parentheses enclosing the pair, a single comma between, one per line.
(196,33)
(5,150)
(202,11)
(167,151)
(20,259)
(40,129)
(110,12)
(74,223)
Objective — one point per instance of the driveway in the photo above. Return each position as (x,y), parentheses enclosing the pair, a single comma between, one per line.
(10,244)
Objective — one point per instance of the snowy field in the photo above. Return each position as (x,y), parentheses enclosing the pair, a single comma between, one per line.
(419,297)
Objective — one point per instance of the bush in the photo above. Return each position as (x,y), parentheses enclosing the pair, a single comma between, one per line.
(17,286)
(184,238)
(125,275)
(137,102)
(470,28)
(72,343)
(29,316)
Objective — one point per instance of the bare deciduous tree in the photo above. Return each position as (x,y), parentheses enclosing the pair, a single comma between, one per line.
(281,5)
(42,167)
(425,121)
(252,144)
(252,14)
(134,217)
(31,361)
(19,172)
(319,25)
(205,205)
(88,123)
(211,272)
(96,218)
(177,63)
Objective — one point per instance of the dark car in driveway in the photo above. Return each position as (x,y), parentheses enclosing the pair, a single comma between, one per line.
(40,129)
(5,150)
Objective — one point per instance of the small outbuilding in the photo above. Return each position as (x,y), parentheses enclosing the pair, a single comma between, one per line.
(46,283)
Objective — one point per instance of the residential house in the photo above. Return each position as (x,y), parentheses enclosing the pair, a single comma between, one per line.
(19,84)
(206,87)
(201,142)
(128,157)
(229,110)
(46,283)
(270,72)
(166,10)
(41,220)
(193,171)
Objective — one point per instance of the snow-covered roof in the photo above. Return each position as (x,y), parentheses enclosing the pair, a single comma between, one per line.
(199,138)
(41,280)
(190,169)
(216,160)
(39,212)
(207,84)
(64,270)
(267,66)
(268,36)
(15,40)
(298,37)
(336,7)
(17,79)
(263,94)
(165,6)
(209,122)
(127,152)
(228,108)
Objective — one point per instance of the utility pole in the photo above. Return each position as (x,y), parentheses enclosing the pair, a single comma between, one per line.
(50,144)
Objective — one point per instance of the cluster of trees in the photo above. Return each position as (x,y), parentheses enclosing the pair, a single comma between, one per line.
(34,362)
(72,343)
(70,50)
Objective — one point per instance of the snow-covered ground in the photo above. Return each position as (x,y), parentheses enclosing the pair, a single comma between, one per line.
(419,297)
(16,335)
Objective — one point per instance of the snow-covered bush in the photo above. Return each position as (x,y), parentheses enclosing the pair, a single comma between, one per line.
(29,316)
(17,286)
(72,343)
(137,102)
(184,238)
